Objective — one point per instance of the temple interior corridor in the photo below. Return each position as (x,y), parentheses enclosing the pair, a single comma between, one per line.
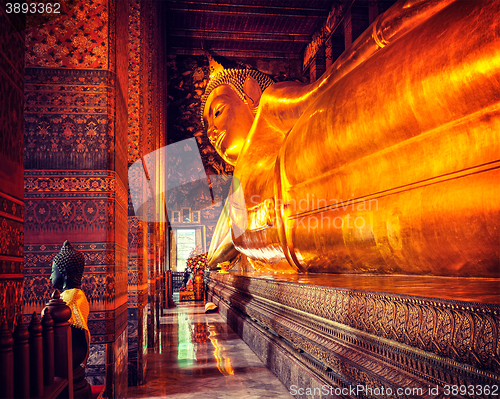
(324,171)
(199,355)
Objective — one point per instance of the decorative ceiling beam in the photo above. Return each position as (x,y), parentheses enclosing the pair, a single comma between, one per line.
(245,10)
(236,53)
(239,36)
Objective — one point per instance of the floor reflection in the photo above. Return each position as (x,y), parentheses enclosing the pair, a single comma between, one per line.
(200,355)
(223,361)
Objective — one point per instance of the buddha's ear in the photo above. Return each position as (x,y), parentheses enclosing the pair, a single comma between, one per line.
(252,91)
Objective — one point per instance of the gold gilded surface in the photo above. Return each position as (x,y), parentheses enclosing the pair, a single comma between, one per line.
(232,116)
(467,289)
(456,331)
(389,164)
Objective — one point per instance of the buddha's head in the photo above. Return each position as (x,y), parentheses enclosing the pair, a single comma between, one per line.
(67,268)
(229,106)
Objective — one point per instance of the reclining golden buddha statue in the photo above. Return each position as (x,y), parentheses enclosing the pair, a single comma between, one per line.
(389,163)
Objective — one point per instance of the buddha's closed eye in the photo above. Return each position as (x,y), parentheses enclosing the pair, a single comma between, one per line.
(218,110)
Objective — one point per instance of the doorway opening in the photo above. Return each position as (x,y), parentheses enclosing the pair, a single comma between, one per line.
(186,243)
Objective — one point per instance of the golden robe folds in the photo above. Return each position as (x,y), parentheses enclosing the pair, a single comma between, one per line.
(390,162)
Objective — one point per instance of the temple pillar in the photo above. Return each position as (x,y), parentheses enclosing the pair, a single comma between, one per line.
(337,43)
(372,11)
(12,170)
(146,133)
(76,169)
(356,22)
(137,300)
(328,53)
(360,15)
(348,28)
(137,229)
(318,65)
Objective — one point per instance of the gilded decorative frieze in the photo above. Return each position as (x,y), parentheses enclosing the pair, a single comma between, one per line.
(423,323)
(388,339)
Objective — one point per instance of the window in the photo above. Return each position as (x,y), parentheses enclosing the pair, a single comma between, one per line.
(186,215)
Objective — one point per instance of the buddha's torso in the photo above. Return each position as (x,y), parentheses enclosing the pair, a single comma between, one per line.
(394,169)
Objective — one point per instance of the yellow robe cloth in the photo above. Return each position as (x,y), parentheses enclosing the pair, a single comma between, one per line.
(77,301)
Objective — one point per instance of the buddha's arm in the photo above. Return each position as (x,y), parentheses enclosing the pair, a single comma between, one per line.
(224,252)
(283,103)
(222,248)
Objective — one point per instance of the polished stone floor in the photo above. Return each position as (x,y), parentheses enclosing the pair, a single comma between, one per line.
(200,357)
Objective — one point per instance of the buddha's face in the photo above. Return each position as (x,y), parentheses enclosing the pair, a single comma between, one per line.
(228,119)
(56,277)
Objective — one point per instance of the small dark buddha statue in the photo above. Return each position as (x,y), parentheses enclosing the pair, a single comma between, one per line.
(67,273)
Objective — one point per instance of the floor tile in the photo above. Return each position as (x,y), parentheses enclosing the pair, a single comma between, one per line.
(200,357)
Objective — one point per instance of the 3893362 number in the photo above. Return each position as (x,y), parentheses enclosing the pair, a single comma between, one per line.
(33,8)
(471,390)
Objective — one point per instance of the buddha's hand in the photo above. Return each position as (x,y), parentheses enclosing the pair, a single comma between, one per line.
(224,253)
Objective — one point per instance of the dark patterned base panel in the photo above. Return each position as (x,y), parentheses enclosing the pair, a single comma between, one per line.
(11,258)
(412,346)
(137,345)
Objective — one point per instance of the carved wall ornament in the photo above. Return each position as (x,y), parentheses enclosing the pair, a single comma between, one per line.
(372,338)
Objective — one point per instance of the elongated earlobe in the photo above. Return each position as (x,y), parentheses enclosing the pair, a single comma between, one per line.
(253,92)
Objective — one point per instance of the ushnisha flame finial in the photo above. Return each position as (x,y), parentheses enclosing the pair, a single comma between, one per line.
(215,67)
